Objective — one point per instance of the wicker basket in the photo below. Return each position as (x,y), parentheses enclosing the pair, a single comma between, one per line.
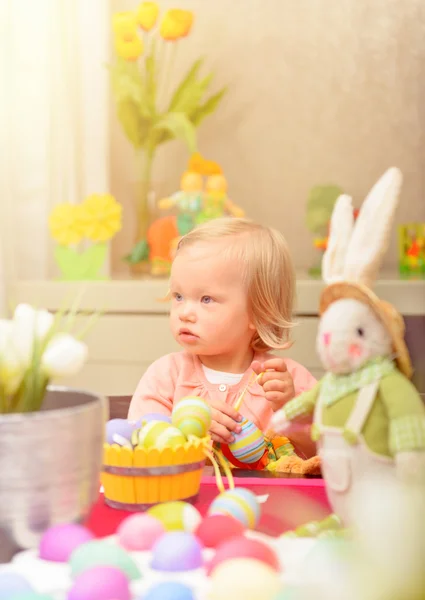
(135,480)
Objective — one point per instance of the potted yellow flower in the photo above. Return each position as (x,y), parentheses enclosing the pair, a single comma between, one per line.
(145,44)
(51,438)
(82,232)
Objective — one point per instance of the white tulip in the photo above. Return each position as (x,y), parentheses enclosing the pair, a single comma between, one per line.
(63,356)
(29,325)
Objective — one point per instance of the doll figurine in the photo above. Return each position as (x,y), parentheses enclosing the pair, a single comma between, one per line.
(369,420)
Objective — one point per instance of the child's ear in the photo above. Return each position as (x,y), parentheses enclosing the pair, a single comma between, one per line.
(252,327)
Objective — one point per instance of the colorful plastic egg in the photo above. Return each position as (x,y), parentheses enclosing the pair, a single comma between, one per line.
(240,503)
(216,529)
(249,445)
(140,532)
(177,551)
(192,415)
(119,431)
(245,578)
(12,584)
(102,554)
(176,515)
(243,547)
(59,542)
(160,435)
(169,590)
(102,583)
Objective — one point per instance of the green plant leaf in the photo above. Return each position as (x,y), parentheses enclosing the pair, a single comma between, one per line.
(139,253)
(192,95)
(134,125)
(128,84)
(320,204)
(177,126)
(187,81)
(83,265)
(209,106)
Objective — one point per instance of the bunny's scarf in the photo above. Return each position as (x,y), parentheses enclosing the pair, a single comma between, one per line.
(334,387)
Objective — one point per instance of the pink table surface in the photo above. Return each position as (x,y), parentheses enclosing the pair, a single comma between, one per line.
(291,502)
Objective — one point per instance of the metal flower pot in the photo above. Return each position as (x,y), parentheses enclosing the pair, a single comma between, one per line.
(50,463)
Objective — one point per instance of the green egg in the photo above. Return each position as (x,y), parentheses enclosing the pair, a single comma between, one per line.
(176,516)
(97,553)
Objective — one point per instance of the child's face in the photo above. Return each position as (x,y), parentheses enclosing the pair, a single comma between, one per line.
(209,310)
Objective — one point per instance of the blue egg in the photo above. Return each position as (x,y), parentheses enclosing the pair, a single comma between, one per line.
(12,584)
(169,590)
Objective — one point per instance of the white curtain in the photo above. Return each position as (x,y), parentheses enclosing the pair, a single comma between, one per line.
(53,121)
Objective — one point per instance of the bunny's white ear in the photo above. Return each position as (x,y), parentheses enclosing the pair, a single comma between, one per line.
(371,234)
(341,228)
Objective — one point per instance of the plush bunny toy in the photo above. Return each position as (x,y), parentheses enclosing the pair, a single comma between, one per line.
(369,420)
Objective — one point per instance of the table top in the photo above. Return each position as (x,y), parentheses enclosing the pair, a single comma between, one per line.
(291,501)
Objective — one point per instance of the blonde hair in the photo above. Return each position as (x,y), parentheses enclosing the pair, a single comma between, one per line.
(268,274)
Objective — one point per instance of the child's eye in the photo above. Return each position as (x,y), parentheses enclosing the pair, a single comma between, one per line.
(206,299)
(360,331)
(177,297)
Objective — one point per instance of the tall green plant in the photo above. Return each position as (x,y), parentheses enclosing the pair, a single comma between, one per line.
(145,50)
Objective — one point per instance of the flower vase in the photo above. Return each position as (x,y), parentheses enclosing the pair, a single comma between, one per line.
(152,228)
(50,465)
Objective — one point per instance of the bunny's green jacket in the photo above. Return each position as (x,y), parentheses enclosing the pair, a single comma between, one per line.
(396,422)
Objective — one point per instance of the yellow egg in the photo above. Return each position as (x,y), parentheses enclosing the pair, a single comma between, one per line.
(192,415)
(158,434)
(246,578)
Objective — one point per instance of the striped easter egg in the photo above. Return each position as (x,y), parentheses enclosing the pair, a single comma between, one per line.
(192,415)
(240,504)
(160,435)
(249,444)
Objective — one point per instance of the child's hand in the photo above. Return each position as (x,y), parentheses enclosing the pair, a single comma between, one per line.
(276,381)
(225,421)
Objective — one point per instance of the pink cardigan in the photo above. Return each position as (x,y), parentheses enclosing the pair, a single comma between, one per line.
(176,375)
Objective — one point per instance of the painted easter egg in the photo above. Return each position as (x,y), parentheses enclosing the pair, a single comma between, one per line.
(12,584)
(176,515)
(177,551)
(240,503)
(242,547)
(169,590)
(216,529)
(139,532)
(98,553)
(59,542)
(102,583)
(160,435)
(245,578)
(192,415)
(249,445)
(119,431)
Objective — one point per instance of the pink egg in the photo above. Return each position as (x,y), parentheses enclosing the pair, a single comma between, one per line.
(140,532)
(58,542)
(102,583)
(242,547)
(215,529)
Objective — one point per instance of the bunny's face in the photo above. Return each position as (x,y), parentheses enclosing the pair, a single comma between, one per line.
(349,335)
